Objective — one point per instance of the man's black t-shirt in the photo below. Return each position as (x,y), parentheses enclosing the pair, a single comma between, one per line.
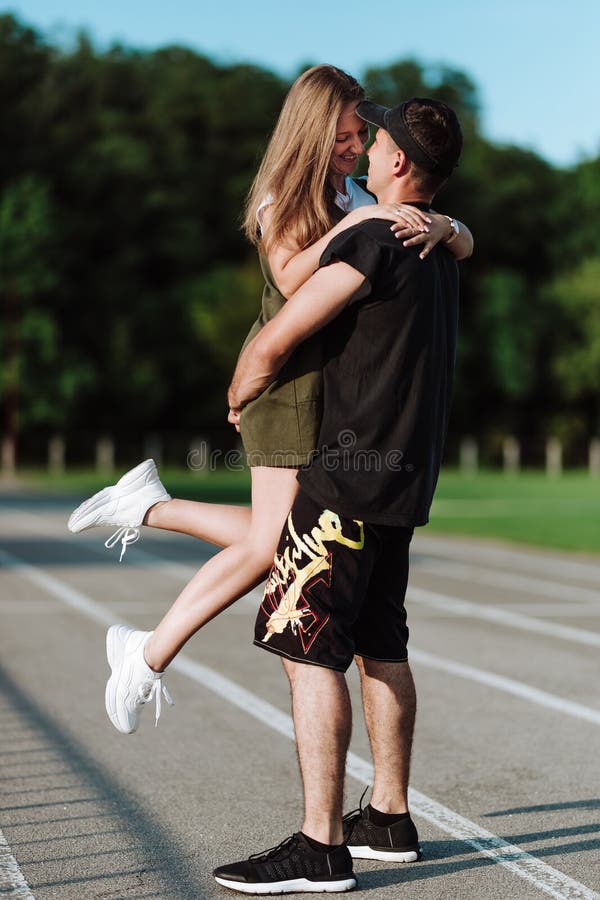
(388,380)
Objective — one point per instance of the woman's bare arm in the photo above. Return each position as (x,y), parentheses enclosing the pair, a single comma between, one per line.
(292,267)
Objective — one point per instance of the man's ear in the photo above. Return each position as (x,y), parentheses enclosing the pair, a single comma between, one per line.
(401,163)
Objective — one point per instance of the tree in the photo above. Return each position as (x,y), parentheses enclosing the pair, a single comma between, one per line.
(28,333)
(224,307)
(581,201)
(574,299)
(24,63)
(390,85)
(128,283)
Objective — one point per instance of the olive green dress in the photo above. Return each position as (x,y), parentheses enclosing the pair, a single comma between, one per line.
(281,426)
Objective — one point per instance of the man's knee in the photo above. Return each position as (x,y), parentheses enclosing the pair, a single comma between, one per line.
(383,670)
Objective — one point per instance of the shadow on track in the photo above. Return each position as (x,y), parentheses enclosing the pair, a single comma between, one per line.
(143,855)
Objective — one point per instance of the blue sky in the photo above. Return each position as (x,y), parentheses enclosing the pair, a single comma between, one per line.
(535,62)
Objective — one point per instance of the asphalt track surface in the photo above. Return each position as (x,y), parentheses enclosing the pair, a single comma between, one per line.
(506,769)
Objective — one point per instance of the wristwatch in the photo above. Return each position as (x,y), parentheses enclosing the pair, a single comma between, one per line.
(455,229)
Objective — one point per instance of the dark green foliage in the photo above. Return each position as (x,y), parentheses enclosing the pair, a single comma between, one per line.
(409,78)
(127,287)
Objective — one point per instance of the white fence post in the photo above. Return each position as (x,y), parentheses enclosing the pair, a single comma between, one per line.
(594,457)
(469,456)
(56,455)
(511,454)
(153,448)
(105,455)
(554,457)
(8,454)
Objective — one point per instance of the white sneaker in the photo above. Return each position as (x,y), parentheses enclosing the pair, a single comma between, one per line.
(123,504)
(132,683)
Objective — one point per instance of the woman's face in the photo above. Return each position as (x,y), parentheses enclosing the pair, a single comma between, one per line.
(352,133)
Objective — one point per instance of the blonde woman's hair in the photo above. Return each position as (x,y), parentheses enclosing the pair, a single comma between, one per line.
(294,170)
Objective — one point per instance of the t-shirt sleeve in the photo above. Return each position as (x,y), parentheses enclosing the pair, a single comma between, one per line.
(358,249)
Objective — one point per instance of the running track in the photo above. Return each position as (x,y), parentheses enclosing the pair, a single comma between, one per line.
(506,772)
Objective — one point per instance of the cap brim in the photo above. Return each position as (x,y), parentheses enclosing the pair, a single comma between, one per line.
(372,112)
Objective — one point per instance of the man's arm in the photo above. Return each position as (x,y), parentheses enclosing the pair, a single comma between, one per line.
(309,309)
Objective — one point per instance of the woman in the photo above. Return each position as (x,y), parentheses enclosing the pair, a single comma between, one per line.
(302,197)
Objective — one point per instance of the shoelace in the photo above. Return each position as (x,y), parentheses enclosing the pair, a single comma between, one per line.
(287,844)
(126,536)
(351,818)
(156,689)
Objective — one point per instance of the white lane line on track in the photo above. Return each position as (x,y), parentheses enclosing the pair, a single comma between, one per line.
(567,611)
(508,685)
(519,862)
(454,605)
(183,571)
(435,600)
(12,880)
(448,548)
(512,558)
(478,575)
(481,676)
(442,602)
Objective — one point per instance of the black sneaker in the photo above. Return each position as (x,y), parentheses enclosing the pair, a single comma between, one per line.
(291,866)
(395,843)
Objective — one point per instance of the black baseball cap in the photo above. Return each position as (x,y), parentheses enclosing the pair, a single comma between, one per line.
(395,123)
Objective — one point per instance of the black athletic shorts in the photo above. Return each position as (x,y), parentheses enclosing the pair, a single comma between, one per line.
(336,589)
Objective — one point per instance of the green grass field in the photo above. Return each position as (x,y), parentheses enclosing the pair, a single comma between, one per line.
(528,508)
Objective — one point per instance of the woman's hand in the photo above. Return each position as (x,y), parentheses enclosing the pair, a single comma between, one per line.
(234,418)
(439,230)
(403,215)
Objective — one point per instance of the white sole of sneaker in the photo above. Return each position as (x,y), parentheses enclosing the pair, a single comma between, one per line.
(84,516)
(294,885)
(386,855)
(115,647)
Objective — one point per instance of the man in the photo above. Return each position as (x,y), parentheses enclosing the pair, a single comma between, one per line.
(336,589)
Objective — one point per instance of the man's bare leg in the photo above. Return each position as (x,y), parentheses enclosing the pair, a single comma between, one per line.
(390,704)
(323,723)
(232,572)
(216,523)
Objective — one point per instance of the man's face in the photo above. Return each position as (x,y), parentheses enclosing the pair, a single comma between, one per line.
(352,133)
(381,160)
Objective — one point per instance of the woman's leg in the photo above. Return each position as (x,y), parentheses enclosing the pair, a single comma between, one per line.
(217,523)
(232,572)
(140,498)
